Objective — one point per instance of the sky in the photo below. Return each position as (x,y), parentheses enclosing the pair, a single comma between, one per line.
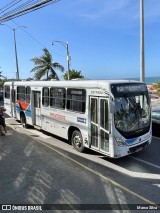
(103,38)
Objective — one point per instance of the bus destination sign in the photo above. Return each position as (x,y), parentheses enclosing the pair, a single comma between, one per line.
(127,88)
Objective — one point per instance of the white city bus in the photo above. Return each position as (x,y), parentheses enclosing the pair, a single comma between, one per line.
(109,116)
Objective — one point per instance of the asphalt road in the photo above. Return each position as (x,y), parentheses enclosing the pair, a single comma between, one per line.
(37,168)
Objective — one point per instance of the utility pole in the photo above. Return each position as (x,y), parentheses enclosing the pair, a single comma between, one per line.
(68,61)
(15,47)
(142,55)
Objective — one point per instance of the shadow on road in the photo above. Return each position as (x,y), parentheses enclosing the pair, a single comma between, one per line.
(156,130)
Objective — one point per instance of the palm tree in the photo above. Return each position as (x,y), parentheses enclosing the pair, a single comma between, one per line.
(44,66)
(73,74)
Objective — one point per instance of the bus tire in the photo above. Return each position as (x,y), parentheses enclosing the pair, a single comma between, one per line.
(77,141)
(23,121)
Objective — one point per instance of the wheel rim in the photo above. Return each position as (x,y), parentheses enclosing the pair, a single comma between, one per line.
(77,141)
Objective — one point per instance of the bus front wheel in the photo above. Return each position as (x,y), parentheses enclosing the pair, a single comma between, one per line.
(77,141)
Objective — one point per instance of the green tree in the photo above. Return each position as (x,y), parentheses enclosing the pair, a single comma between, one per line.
(45,66)
(1,83)
(29,79)
(73,74)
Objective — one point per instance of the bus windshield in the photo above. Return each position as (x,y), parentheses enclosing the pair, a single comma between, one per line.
(132,113)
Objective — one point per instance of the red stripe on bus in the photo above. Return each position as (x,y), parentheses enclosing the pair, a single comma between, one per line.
(22,105)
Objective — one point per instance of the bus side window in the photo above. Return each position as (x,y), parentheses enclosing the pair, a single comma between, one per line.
(45,97)
(7,92)
(21,93)
(13,96)
(28,91)
(76,100)
(57,98)
(104,114)
(94,116)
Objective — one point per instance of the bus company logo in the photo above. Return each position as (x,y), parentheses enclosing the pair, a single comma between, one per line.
(6,207)
(97,92)
(81,120)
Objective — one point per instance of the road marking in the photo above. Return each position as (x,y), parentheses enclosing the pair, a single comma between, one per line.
(146,162)
(158,185)
(155,137)
(102,176)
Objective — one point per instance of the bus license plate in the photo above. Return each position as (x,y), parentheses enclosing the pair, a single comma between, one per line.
(139,149)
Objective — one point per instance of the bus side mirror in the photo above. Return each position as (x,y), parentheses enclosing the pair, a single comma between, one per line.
(112,107)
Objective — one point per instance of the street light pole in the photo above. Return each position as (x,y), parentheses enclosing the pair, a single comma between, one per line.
(15,47)
(68,61)
(65,44)
(142,57)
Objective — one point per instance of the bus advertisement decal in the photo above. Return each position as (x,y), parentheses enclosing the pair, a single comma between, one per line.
(22,105)
(57,116)
(28,111)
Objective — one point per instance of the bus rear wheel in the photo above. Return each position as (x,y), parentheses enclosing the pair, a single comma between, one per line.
(77,141)
(23,121)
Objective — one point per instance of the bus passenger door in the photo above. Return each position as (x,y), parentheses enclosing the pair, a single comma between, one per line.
(36,108)
(99,118)
(104,124)
(13,103)
(94,122)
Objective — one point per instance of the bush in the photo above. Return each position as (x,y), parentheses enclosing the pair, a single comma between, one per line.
(157,86)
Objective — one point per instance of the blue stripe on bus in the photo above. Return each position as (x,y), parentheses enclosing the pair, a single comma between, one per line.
(132,140)
(18,108)
(28,111)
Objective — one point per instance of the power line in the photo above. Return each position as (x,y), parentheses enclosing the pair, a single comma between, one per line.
(35,39)
(9,5)
(20,7)
(24,8)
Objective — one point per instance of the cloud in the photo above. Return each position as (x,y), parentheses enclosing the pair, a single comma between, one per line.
(113,13)
(99,9)
(103,13)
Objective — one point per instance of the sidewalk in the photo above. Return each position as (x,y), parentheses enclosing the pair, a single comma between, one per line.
(155,102)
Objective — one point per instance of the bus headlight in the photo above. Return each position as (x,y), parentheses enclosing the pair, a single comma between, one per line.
(120,141)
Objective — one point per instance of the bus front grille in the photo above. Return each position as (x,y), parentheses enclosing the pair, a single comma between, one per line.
(139,147)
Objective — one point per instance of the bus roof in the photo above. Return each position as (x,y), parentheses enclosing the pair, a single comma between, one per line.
(71,83)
